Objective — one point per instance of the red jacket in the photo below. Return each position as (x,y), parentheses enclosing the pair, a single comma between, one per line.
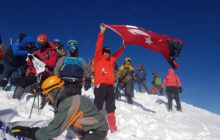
(171,79)
(1,51)
(1,54)
(104,68)
(48,56)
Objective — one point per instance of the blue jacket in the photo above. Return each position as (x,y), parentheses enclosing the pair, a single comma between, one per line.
(140,75)
(16,54)
(19,49)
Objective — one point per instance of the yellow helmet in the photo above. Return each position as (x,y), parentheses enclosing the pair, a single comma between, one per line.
(128,59)
(51,83)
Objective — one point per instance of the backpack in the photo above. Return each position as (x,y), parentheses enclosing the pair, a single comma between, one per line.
(72,68)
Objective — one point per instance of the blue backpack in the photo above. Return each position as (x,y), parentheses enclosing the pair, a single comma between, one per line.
(72,67)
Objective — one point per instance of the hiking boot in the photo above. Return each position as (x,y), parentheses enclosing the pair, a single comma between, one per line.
(169,109)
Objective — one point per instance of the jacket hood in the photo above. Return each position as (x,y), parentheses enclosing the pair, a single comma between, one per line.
(171,71)
(26,40)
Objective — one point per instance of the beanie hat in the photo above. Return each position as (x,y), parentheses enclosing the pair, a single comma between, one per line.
(106,50)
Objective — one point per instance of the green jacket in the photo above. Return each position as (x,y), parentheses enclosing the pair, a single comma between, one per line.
(77,113)
(157,80)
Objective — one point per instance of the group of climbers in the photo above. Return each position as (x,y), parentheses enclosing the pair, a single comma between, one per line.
(62,77)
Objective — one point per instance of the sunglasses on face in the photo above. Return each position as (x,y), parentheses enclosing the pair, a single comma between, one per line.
(72,47)
(40,40)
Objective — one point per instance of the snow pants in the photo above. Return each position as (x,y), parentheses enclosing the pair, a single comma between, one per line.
(105,93)
(7,70)
(173,92)
(144,84)
(96,135)
(12,73)
(129,90)
(159,90)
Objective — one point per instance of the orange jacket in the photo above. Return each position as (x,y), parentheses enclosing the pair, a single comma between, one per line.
(104,68)
(171,79)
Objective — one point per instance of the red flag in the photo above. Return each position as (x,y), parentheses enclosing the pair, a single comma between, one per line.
(168,46)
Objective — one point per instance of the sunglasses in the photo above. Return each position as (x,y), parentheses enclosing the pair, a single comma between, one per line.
(72,47)
(40,40)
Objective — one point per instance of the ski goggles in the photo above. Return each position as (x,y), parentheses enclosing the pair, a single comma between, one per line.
(71,47)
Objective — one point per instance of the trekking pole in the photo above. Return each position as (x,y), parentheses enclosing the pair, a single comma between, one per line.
(32,106)
(38,83)
(38,103)
(36,94)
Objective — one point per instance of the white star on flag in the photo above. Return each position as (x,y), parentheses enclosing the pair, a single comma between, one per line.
(148,40)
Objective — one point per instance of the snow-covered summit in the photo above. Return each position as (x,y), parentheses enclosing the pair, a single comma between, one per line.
(146,119)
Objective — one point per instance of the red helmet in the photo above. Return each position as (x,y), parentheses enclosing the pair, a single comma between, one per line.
(42,38)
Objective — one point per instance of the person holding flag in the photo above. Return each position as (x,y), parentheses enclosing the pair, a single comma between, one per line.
(105,77)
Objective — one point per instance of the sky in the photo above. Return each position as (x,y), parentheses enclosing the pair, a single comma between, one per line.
(196,22)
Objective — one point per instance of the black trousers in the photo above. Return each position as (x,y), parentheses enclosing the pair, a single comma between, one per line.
(105,93)
(31,79)
(173,92)
(97,135)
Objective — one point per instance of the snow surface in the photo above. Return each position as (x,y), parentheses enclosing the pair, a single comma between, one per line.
(146,119)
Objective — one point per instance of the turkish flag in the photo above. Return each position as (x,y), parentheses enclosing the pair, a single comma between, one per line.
(168,46)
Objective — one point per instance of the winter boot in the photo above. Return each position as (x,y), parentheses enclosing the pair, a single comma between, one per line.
(19,91)
(112,122)
(3,82)
(7,87)
(129,98)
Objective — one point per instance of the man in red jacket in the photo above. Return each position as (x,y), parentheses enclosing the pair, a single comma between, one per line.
(105,77)
(173,89)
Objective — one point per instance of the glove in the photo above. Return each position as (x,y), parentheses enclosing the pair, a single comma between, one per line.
(24,131)
(32,49)
(87,84)
(36,89)
(30,56)
(3,82)
(35,55)
(180,89)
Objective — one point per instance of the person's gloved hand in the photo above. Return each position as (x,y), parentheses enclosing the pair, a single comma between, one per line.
(3,82)
(87,84)
(32,49)
(24,131)
(36,56)
(36,89)
(30,56)
(180,89)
